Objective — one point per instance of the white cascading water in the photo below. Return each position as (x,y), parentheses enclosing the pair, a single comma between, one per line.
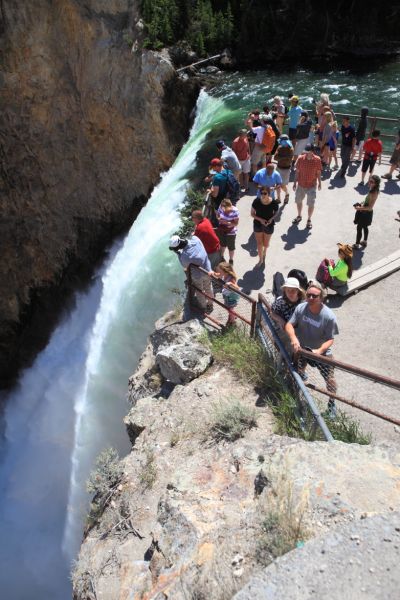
(69,405)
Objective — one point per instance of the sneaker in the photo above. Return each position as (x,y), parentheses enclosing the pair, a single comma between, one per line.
(357,246)
(332,411)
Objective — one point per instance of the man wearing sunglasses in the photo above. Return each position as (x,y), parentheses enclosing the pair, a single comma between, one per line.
(313,326)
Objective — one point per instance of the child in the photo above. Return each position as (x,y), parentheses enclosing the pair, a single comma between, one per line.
(332,142)
(231,298)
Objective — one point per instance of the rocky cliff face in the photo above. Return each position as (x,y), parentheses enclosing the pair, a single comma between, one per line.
(87,124)
(199,517)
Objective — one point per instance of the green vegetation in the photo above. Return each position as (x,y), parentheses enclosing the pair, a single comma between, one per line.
(231,421)
(194,200)
(247,359)
(148,474)
(206,25)
(103,482)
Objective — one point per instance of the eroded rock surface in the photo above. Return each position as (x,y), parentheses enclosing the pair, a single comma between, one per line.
(87,122)
(196,506)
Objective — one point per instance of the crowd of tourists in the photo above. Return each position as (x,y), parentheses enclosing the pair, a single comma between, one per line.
(264,154)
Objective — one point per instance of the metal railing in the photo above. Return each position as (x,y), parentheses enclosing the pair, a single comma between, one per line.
(309,414)
(205,295)
(354,386)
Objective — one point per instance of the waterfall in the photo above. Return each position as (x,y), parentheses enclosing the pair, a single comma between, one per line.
(69,405)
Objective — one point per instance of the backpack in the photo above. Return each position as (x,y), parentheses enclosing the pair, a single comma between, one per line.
(322,274)
(300,276)
(277,282)
(268,140)
(232,187)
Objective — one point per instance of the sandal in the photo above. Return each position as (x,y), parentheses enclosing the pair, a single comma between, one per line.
(309,224)
(296,220)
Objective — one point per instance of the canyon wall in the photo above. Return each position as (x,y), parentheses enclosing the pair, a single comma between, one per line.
(87,123)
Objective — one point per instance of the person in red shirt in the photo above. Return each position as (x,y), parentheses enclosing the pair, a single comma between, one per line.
(308,174)
(241,148)
(372,150)
(205,232)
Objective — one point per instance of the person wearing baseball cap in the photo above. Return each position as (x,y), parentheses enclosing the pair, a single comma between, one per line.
(219,182)
(229,158)
(192,252)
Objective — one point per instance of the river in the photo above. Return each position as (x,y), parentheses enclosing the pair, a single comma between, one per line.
(69,405)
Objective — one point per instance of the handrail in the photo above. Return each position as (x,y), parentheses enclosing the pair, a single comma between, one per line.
(332,362)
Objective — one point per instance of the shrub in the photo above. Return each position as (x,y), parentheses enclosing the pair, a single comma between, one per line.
(194,200)
(148,474)
(347,429)
(102,483)
(231,421)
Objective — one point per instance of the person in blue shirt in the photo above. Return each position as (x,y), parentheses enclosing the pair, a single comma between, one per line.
(270,178)
(192,252)
(294,115)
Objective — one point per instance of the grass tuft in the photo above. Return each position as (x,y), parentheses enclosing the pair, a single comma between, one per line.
(148,473)
(231,421)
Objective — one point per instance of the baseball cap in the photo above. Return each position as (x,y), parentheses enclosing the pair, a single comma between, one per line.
(174,241)
(216,162)
(220,144)
(309,148)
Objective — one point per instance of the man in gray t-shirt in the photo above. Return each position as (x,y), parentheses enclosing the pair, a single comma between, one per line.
(313,326)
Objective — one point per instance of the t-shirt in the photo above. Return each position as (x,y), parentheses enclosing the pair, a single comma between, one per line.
(372,146)
(294,115)
(313,330)
(194,253)
(308,170)
(205,232)
(265,211)
(261,178)
(340,270)
(240,146)
(348,134)
(230,159)
(230,216)
(220,180)
(259,133)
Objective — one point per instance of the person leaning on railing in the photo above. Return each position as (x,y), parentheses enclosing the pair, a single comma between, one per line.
(313,327)
(192,252)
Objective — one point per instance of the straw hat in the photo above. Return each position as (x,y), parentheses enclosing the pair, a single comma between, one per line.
(346,249)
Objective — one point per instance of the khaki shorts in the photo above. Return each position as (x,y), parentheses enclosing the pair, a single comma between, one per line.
(301,192)
(258,155)
(285,174)
(245,164)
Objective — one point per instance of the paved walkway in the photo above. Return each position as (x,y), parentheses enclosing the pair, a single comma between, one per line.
(368,321)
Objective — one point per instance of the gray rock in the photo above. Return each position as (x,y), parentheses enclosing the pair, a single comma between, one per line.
(301,575)
(178,333)
(181,363)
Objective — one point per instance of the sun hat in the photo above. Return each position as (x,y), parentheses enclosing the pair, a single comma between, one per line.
(216,162)
(291,282)
(294,99)
(174,241)
(220,144)
(346,249)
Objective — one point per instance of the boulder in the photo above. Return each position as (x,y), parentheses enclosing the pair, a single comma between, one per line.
(178,333)
(181,363)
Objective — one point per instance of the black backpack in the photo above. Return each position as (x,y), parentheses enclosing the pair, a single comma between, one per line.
(232,187)
(300,276)
(277,283)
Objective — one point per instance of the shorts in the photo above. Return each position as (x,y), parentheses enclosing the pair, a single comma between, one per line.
(292,133)
(259,228)
(300,146)
(368,162)
(395,158)
(227,240)
(285,174)
(301,192)
(258,155)
(245,164)
(326,371)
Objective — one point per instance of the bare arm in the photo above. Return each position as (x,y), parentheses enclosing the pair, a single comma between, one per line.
(324,347)
(292,336)
(254,215)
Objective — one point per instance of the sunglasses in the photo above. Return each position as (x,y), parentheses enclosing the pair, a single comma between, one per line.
(313,296)
(264,193)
